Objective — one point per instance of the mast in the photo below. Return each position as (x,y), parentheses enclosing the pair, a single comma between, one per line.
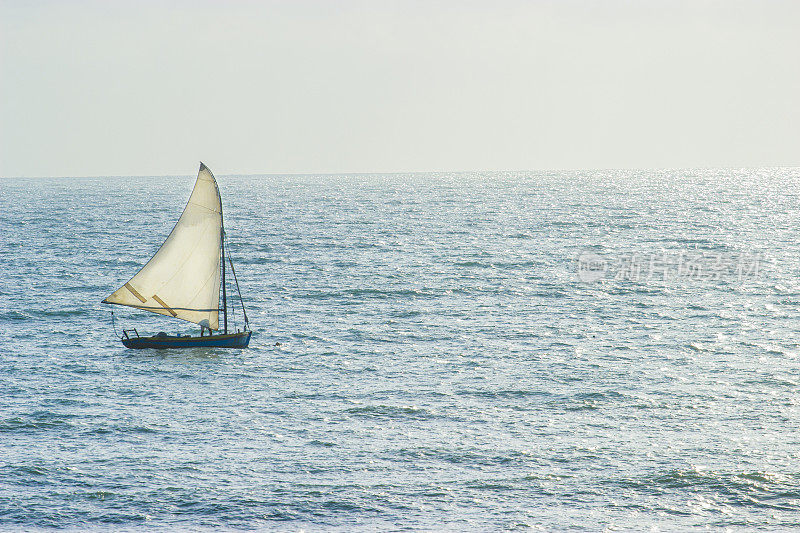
(224,293)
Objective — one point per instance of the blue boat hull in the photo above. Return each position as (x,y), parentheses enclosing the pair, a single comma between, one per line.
(231,340)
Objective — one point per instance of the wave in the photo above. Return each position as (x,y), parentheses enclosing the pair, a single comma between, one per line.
(471,456)
(369,293)
(35,422)
(391,412)
(503,393)
(742,489)
(13,315)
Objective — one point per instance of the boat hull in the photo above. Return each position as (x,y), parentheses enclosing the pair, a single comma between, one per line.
(231,340)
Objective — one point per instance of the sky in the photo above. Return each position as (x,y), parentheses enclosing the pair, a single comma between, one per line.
(100,88)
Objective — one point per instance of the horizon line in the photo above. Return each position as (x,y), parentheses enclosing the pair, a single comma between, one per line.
(396,172)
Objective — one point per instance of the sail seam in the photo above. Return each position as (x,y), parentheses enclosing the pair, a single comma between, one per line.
(202,206)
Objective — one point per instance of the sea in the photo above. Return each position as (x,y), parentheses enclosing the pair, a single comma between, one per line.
(478,351)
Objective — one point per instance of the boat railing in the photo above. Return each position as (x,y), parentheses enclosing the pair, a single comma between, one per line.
(127,332)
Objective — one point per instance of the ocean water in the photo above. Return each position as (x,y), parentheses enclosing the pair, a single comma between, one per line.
(466,352)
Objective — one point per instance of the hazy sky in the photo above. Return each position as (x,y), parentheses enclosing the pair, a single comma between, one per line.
(132,88)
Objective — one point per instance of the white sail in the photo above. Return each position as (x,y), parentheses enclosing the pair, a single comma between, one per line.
(182,278)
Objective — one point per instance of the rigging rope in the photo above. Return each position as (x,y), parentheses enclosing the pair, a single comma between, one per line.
(241,300)
(114,325)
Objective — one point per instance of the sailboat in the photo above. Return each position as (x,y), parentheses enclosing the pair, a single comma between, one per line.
(183,279)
